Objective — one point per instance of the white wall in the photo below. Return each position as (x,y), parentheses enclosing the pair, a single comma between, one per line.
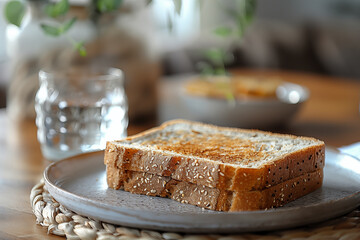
(2,32)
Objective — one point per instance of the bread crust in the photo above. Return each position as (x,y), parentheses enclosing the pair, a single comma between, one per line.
(214,198)
(214,184)
(209,173)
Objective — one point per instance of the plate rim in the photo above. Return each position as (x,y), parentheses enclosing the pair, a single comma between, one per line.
(354,197)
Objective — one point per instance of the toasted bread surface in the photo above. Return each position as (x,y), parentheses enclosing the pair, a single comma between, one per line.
(217,157)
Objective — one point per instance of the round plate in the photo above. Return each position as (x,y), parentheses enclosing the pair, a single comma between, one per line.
(79,183)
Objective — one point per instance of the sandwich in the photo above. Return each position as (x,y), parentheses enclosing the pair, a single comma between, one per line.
(217,168)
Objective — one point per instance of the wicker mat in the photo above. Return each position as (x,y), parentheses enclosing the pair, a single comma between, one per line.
(63,222)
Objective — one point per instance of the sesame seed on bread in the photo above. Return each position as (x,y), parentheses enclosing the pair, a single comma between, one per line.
(214,198)
(226,158)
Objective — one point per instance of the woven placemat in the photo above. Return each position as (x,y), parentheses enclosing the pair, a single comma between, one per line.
(63,222)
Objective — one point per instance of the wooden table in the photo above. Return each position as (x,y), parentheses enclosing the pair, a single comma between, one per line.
(331,114)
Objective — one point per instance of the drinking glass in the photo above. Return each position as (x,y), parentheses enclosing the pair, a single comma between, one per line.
(79,110)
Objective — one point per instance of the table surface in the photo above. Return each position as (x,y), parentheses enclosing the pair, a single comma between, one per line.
(331,114)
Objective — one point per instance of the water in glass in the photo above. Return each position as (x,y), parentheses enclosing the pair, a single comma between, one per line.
(79,117)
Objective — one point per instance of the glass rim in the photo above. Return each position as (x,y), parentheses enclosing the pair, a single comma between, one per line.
(99,73)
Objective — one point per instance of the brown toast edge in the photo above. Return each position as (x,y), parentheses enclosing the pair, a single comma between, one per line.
(214,198)
(212,173)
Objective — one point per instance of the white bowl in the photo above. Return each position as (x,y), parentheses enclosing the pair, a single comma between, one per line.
(258,113)
(249,113)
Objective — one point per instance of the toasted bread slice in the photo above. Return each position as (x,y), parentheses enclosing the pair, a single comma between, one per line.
(217,157)
(214,198)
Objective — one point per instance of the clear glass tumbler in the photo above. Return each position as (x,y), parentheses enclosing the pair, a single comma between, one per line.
(78,111)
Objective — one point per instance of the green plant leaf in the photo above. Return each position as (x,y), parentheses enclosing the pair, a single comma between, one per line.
(245,15)
(14,12)
(220,71)
(51,30)
(215,55)
(230,98)
(250,10)
(170,25)
(56,31)
(57,9)
(79,46)
(241,25)
(223,31)
(108,5)
(205,68)
(178,6)
(67,25)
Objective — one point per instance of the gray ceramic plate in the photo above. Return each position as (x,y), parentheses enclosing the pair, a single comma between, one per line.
(79,184)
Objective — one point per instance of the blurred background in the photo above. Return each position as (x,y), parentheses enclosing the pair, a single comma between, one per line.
(165,38)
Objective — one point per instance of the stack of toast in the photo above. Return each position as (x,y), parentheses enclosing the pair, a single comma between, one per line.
(217,168)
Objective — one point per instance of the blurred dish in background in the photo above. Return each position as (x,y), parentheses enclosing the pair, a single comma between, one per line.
(245,102)
(236,87)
